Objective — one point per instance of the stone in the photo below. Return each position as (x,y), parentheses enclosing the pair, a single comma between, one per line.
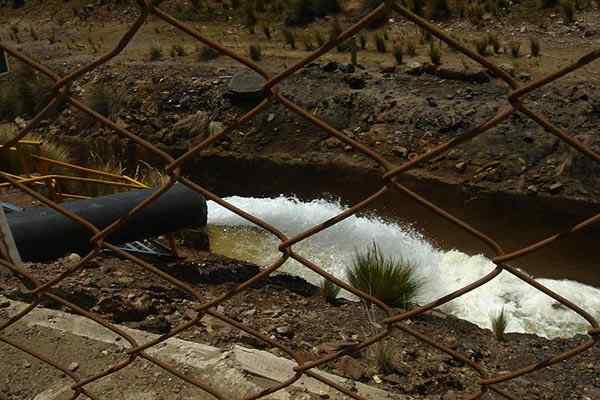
(355,82)
(351,368)
(388,69)
(331,66)
(284,331)
(331,143)
(461,166)
(247,86)
(555,187)
(400,151)
(346,68)
(524,76)
(508,68)
(4,304)
(73,258)
(73,367)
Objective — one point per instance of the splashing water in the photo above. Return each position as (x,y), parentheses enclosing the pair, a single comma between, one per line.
(443,272)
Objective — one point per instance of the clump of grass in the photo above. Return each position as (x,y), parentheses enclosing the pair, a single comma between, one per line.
(319,38)
(23,93)
(383,354)
(534,46)
(515,49)
(411,47)
(156,52)
(499,324)
(481,46)
(329,291)
(475,14)
(392,281)
(308,43)
(206,53)
(494,42)
(267,31)
(289,37)
(439,9)
(491,6)
(380,43)
(435,54)
(302,12)
(255,52)
(250,19)
(398,53)
(177,50)
(568,9)
(362,40)
(426,36)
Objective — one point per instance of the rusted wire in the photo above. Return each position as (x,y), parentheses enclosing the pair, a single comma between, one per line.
(390,172)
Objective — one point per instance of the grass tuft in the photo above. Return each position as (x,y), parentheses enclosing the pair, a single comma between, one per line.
(329,291)
(568,9)
(380,43)
(392,281)
(499,324)
(398,54)
(435,54)
(534,46)
(156,52)
(206,53)
(255,52)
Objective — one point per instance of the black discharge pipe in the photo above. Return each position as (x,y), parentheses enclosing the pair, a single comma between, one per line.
(42,234)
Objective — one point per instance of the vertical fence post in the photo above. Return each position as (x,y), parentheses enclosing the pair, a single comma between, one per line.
(8,248)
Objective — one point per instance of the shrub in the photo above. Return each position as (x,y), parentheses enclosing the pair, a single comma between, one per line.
(362,39)
(289,38)
(392,281)
(411,47)
(568,9)
(494,42)
(206,53)
(329,291)
(515,49)
(499,324)
(491,6)
(481,46)
(380,43)
(534,45)
(156,52)
(255,52)
(177,50)
(398,53)
(435,54)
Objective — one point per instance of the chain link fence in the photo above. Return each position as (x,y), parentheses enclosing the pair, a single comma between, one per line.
(516,103)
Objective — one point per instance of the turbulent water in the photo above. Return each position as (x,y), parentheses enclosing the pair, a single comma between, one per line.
(442,271)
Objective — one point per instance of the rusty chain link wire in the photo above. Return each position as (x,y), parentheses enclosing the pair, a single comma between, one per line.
(516,102)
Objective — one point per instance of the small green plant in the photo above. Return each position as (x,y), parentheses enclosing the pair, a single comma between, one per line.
(398,53)
(319,38)
(255,52)
(177,50)
(435,54)
(362,40)
(481,45)
(206,53)
(411,47)
(267,31)
(289,37)
(534,46)
(390,280)
(386,35)
(515,49)
(426,36)
(250,19)
(156,52)
(102,100)
(354,52)
(499,324)
(568,9)
(329,291)
(494,42)
(380,43)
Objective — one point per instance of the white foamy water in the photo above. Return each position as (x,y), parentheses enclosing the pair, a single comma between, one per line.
(443,272)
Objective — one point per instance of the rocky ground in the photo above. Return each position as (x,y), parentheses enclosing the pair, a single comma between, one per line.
(291,311)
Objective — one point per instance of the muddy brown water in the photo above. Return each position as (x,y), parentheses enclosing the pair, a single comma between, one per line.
(512,220)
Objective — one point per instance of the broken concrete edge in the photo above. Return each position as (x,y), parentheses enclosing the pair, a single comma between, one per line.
(230,368)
